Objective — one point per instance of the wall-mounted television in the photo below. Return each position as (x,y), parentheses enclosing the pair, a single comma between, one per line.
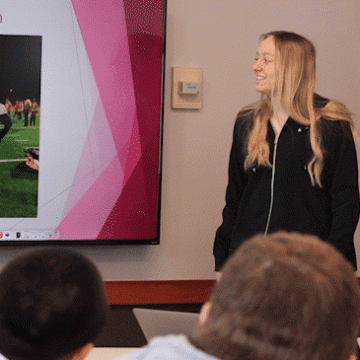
(81,83)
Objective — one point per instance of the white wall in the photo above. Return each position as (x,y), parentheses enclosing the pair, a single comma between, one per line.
(220,36)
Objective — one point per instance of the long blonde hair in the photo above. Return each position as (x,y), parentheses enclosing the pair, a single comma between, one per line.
(295,63)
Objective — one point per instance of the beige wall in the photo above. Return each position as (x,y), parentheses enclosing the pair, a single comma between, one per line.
(220,36)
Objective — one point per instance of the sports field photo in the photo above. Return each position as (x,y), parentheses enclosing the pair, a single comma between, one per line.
(19,189)
(19,125)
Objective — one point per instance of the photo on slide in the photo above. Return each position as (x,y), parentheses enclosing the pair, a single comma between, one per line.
(20,74)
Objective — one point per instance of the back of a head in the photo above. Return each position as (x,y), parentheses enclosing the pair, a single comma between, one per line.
(283,296)
(52,302)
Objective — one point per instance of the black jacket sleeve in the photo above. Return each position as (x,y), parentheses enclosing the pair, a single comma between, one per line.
(344,191)
(236,184)
(6,121)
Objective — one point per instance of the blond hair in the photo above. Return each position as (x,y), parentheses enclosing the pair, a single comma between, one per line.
(295,63)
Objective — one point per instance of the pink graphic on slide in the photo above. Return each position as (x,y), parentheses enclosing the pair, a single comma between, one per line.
(98,152)
(107,48)
(135,214)
(118,198)
(93,208)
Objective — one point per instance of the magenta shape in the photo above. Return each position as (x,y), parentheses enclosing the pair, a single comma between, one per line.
(130,218)
(109,58)
(86,219)
(103,29)
(145,45)
(98,151)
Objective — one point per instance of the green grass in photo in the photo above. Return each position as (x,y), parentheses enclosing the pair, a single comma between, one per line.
(20,137)
(18,196)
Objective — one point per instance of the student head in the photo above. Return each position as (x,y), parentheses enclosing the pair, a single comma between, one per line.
(283,296)
(52,305)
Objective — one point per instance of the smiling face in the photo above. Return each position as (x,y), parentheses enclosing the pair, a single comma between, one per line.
(264,66)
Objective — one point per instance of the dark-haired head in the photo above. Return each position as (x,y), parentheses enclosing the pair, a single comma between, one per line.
(52,303)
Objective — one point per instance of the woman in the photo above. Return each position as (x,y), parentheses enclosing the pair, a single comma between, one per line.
(293,162)
(27,107)
(34,110)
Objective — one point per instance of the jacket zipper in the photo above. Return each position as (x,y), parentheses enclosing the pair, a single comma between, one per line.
(272,185)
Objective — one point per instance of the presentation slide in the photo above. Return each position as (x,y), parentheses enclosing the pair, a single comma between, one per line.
(80,120)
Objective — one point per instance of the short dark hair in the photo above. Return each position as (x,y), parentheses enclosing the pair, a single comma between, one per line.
(283,296)
(52,302)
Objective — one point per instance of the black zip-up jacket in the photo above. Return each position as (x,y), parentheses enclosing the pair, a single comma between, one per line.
(330,212)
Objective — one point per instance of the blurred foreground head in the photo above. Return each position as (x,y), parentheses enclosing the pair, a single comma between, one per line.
(52,303)
(283,296)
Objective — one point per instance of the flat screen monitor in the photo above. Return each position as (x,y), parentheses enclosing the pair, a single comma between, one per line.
(81,100)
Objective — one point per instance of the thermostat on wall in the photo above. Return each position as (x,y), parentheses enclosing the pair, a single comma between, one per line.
(189,87)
